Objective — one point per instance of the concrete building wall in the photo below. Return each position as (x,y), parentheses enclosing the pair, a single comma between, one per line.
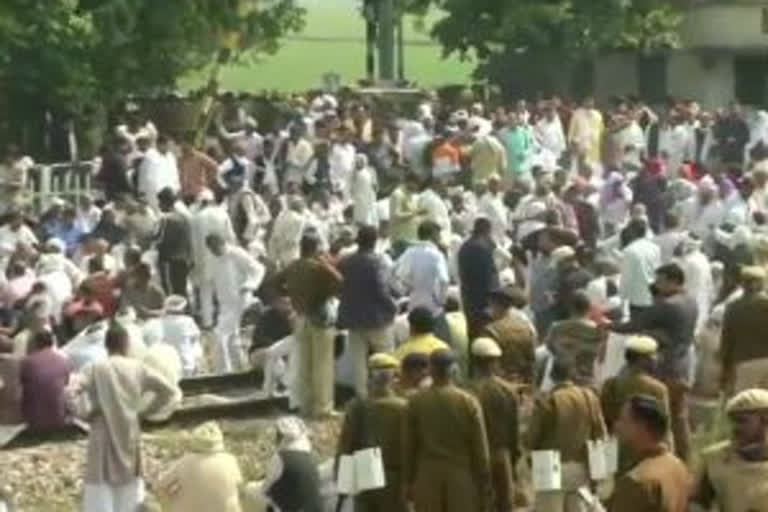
(712,33)
(736,26)
(615,74)
(707,78)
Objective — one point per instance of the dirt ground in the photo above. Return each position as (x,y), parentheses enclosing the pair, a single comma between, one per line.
(47,478)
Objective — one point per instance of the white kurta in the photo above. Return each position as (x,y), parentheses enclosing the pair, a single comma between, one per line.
(678,143)
(363,194)
(236,273)
(209,220)
(436,209)
(182,333)
(342,165)
(551,138)
(699,284)
(156,172)
(702,220)
(286,236)
(491,206)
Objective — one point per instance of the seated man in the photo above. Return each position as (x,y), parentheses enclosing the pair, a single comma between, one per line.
(275,361)
(207,478)
(181,332)
(422,338)
(44,377)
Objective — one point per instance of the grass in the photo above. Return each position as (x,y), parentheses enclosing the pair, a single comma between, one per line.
(333,41)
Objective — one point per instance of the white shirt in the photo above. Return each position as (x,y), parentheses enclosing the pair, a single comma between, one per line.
(678,143)
(342,164)
(87,346)
(550,136)
(436,209)
(10,239)
(210,220)
(363,195)
(298,158)
(758,130)
(286,236)
(668,242)
(181,332)
(423,271)
(701,220)
(156,172)
(640,260)
(87,220)
(699,284)
(492,207)
(234,271)
(229,164)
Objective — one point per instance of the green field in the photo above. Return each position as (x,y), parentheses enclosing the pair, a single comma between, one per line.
(333,41)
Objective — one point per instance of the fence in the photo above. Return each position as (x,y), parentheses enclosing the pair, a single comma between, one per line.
(68,181)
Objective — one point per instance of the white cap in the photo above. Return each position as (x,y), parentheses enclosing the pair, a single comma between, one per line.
(485,347)
(562,253)
(175,304)
(641,345)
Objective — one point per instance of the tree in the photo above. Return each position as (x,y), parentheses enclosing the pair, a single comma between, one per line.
(553,35)
(72,57)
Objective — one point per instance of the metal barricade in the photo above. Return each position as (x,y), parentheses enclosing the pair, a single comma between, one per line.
(69,181)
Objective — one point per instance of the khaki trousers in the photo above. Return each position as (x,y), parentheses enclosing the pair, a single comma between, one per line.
(750,375)
(315,376)
(444,487)
(388,499)
(575,475)
(502,477)
(361,343)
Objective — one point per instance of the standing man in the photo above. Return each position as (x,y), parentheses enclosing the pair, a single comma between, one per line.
(244,208)
(174,245)
(404,214)
(311,283)
(635,379)
(659,481)
(641,257)
(378,421)
(564,420)
(446,459)
(671,321)
(423,272)
(518,141)
(500,408)
(366,308)
(197,171)
(478,275)
(586,131)
(578,338)
(486,157)
(743,349)
(734,475)
(514,333)
(115,389)
(208,219)
(157,170)
(235,276)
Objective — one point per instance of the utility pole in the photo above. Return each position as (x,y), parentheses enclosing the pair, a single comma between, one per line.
(370,15)
(386,18)
(400,48)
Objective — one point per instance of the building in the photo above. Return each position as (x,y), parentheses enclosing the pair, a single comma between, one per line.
(723,56)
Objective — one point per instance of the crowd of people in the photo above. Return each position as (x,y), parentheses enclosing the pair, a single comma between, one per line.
(492,283)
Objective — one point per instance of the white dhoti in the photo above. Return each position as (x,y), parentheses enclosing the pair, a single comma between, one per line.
(205,292)
(277,361)
(113,498)
(228,353)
